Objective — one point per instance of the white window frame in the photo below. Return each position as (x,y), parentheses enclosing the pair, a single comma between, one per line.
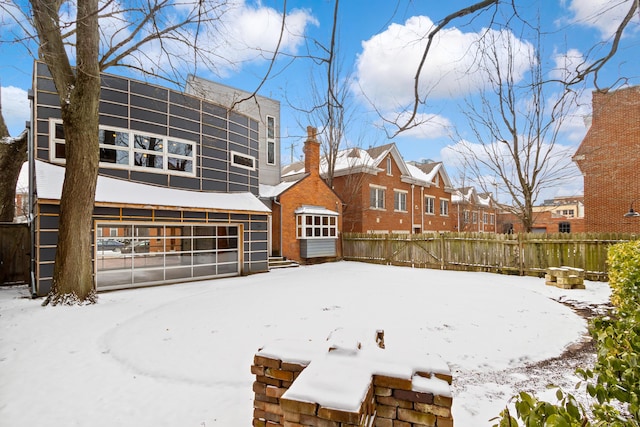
(444,207)
(400,200)
(429,205)
(316,226)
(474,217)
(389,166)
(131,150)
(377,203)
(233,156)
(485,218)
(492,218)
(271,139)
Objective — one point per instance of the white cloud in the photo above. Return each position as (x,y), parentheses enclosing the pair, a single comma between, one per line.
(15,108)
(389,60)
(232,37)
(604,15)
(567,64)
(427,126)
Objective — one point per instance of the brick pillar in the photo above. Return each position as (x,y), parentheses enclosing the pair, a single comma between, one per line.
(312,152)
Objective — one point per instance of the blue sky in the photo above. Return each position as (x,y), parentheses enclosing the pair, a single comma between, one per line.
(379,46)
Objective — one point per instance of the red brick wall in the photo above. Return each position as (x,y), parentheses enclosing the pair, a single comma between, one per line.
(313,191)
(480,225)
(609,158)
(354,190)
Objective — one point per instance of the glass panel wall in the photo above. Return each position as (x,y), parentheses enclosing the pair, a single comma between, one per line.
(144,254)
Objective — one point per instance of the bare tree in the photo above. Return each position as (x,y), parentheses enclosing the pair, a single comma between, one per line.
(516,128)
(13,153)
(77,41)
(591,66)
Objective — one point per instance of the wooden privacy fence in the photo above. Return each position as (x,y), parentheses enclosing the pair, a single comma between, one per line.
(523,254)
(14,253)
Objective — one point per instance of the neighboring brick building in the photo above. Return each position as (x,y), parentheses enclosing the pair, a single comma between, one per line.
(307,213)
(383,194)
(557,215)
(473,211)
(609,158)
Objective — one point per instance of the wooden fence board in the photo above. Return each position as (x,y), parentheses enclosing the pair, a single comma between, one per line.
(523,254)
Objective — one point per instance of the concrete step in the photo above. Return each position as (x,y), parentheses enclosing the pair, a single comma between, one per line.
(281,262)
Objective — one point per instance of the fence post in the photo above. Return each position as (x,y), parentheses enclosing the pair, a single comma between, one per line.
(521,253)
(442,251)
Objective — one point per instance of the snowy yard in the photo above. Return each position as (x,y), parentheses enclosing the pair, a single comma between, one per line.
(180,355)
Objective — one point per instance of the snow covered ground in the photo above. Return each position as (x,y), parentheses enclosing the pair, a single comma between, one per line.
(180,355)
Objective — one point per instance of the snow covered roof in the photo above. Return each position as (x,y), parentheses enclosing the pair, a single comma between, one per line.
(470,195)
(358,160)
(269,191)
(315,210)
(49,179)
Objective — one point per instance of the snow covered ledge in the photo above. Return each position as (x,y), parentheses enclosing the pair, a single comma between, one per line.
(340,384)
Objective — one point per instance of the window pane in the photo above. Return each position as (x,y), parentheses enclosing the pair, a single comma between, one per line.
(271,152)
(180,164)
(180,148)
(109,155)
(271,128)
(148,143)
(59,132)
(112,137)
(148,160)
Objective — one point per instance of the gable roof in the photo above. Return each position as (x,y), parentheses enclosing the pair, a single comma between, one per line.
(358,160)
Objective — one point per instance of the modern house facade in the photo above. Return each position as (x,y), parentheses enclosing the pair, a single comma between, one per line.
(609,159)
(177,188)
(383,194)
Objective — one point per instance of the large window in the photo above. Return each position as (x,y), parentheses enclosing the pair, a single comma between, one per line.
(429,205)
(126,149)
(400,201)
(271,140)
(145,254)
(311,226)
(377,197)
(564,227)
(444,207)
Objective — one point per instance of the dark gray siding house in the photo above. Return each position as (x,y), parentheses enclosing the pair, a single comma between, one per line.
(177,191)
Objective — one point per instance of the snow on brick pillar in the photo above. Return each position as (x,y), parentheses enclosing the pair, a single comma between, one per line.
(312,152)
(273,378)
(348,386)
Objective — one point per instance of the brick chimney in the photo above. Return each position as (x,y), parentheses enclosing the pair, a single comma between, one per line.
(312,152)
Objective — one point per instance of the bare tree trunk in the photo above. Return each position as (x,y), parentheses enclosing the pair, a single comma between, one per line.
(79,92)
(13,153)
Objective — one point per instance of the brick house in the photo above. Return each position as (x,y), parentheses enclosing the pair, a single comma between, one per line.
(306,212)
(177,192)
(609,159)
(557,215)
(383,194)
(473,211)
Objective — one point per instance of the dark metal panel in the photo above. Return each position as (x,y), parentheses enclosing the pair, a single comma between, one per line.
(154,178)
(149,90)
(183,99)
(148,127)
(129,212)
(149,116)
(180,123)
(107,94)
(215,185)
(114,82)
(184,182)
(181,111)
(121,122)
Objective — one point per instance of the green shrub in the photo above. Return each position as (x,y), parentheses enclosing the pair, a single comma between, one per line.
(614,381)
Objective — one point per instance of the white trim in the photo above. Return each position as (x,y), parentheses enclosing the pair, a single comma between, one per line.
(232,160)
(131,150)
